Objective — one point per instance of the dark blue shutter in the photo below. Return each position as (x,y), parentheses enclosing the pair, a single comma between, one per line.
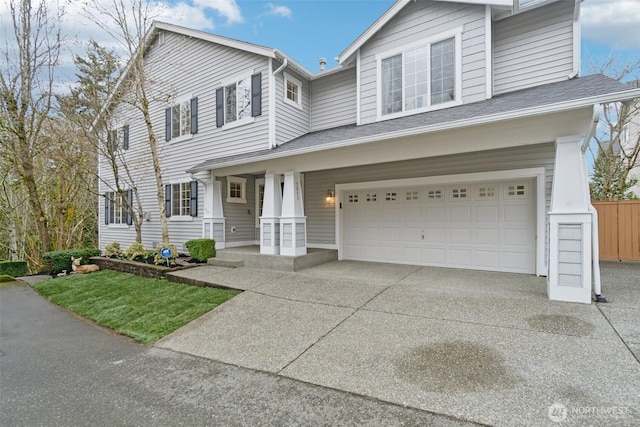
(167,200)
(194,115)
(256,95)
(167,124)
(194,198)
(106,208)
(125,143)
(219,107)
(130,205)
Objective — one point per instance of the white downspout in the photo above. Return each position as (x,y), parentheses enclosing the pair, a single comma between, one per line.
(272,102)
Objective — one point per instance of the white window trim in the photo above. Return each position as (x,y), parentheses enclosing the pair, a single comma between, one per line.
(456,34)
(259,182)
(123,214)
(289,78)
(179,101)
(224,84)
(178,218)
(116,126)
(243,183)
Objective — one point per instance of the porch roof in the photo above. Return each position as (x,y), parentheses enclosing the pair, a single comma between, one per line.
(545,99)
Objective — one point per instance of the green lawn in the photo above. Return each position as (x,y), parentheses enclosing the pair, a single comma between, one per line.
(144,309)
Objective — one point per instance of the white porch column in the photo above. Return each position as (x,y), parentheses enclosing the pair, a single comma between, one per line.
(570,226)
(213,221)
(270,219)
(293,223)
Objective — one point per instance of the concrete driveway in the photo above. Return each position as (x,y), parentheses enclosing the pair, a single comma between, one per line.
(477,346)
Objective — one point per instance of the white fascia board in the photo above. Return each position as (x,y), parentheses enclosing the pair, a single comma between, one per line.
(225,41)
(482,2)
(475,121)
(369,32)
(293,64)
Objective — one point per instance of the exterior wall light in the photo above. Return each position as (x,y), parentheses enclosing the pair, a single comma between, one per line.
(329,196)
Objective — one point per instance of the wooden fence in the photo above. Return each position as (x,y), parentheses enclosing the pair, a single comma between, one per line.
(619,230)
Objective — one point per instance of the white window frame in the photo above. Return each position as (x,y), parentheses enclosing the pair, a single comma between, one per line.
(243,189)
(456,34)
(181,101)
(179,216)
(235,80)
(259,183)
(123,212)
(288,78)
(118,130)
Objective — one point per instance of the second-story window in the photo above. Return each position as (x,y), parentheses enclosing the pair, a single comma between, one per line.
(118,138)
(419,78)
(239,100)
(181,119)
(292,90)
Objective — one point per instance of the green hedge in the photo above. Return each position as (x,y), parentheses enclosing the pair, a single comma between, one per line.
(57,261)
(13,268)
(201,249)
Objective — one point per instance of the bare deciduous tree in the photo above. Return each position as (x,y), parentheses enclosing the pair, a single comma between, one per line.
(26,89)
(127,21)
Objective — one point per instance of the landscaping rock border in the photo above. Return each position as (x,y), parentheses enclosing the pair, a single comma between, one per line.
(150,271)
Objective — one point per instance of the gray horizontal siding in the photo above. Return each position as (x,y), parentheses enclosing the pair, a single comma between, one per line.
(291,122)
(333,100)
(186,66)
(321,215)
(533,48)
(240,215)
(418,21)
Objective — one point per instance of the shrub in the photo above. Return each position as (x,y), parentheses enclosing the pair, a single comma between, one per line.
(135,251)
(113,250)
(201,249)
(6,278)
(159,260)
(13,268)
(57,261)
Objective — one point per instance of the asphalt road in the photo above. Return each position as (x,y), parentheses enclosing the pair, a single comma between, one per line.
(61,370)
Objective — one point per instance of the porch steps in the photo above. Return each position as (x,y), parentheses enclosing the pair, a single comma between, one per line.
(250,256)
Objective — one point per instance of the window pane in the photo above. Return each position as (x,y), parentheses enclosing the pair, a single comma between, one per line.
(175,121)
(292,91)
(230,97)
(175,199)
(443,71)
(415,72)
(244,99)
(392,84)
(185,205)
(185,118)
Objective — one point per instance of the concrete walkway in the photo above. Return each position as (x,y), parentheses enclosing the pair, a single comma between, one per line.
(477,346)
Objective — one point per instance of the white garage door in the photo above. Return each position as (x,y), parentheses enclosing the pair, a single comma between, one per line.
(486,226)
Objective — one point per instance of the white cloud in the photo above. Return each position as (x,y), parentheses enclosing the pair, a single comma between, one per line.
(228,9)
(282,11)
(614,23)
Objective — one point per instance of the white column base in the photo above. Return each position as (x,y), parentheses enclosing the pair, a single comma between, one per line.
(213,228)
(293,236)
(269,236)
(569,276)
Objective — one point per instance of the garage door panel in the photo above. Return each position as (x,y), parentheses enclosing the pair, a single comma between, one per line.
(487,236)
(487,259)
(487,226)
(487,214)
(460,214)
(460,236)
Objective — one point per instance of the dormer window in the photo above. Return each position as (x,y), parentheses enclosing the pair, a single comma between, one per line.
(422,77)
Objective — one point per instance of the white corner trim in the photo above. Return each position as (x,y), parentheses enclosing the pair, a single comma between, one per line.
(358,88)
(488,53)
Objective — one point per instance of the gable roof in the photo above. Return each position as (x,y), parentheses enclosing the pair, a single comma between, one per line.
(554,97)
(344,57)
